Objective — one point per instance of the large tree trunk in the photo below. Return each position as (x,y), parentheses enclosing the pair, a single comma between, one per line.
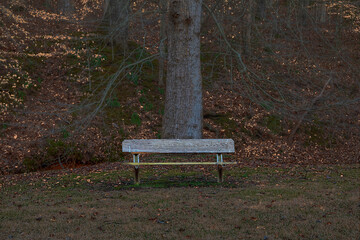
(116,20)
(183,103)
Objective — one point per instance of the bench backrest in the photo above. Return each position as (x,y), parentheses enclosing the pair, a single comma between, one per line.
(178,146)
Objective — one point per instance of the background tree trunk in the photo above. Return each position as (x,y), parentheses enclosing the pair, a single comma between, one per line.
(162,9)
(303,14)
(183,103)
(274,5)
(66,7)
(249,23)
(116,20)
(261,9)
(49,5)
(323,12)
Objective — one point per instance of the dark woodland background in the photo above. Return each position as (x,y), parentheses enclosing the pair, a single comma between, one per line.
(280,77)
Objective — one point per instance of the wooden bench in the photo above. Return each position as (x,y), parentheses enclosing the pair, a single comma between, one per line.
(216,146)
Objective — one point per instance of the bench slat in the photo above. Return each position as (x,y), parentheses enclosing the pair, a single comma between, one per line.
(178,146)
(179,163)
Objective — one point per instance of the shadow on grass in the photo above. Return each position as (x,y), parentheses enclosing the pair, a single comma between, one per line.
(179,182)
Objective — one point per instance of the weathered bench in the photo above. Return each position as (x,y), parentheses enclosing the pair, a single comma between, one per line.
(216,146)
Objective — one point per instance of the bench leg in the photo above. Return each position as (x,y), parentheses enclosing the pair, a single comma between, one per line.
(219,160)
(136,176)
(220,171)
(136,169)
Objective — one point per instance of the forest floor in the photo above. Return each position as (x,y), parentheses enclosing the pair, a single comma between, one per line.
(94,202)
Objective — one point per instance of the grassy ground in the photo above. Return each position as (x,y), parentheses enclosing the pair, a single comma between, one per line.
(177,203)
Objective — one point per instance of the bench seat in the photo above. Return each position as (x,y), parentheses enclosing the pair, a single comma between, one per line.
(178,146)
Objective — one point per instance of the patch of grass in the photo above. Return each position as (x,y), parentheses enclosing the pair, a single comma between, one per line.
(171,182)
(226,123)
(133,78)
(106,204)
(273,123)
(246,172)
(144,100)
(317,135)
(113,103)
(135,119)
(213,67)
(4,126)
(18,80)
(58,151)
(118,113)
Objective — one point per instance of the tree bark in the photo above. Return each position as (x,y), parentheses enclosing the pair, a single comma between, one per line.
(116,21)
(183,101)
(162,9)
